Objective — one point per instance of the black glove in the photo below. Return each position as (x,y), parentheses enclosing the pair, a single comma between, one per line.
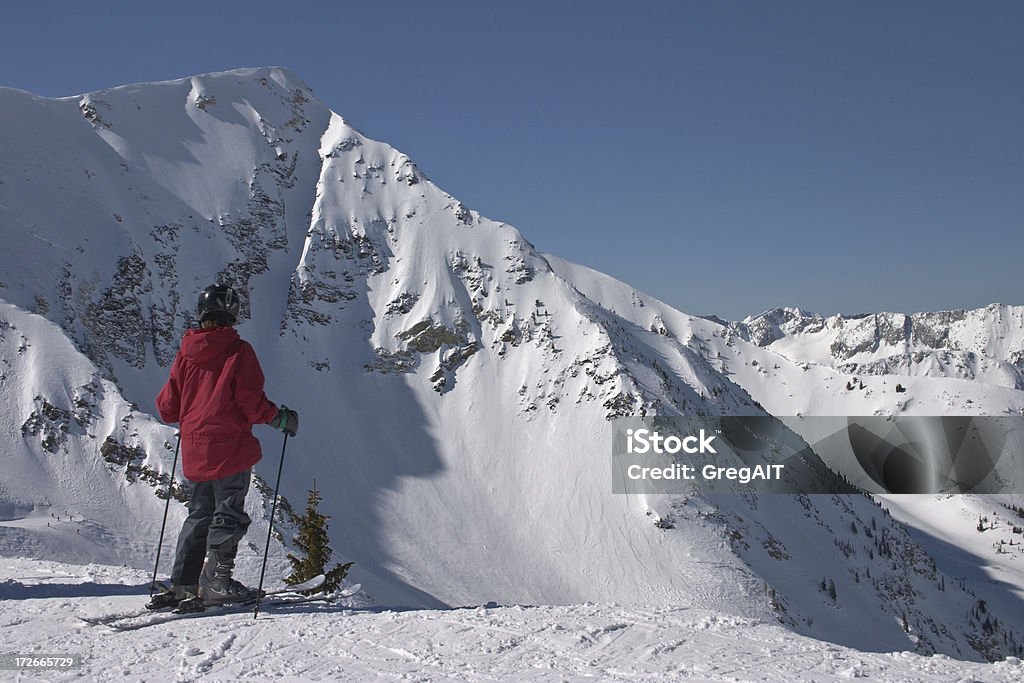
(287,421)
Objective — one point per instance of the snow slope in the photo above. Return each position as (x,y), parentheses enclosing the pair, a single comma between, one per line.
(567,643)
(454,384)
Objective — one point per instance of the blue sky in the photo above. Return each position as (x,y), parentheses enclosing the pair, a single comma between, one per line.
(726,157)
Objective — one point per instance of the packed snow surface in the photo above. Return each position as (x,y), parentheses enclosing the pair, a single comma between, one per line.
(42,602)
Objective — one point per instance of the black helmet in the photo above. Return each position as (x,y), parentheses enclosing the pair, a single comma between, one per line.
(219,303)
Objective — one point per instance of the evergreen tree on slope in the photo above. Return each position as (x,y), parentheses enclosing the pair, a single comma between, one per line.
(314,542)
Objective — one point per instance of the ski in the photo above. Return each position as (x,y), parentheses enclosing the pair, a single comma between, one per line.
(270,602)
(107,619)
(310,585)
(208,611)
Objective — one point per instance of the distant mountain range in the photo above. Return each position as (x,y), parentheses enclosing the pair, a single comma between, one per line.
(984,344)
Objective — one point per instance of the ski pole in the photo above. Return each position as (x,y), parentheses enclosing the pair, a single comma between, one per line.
(270,529)
(167,504)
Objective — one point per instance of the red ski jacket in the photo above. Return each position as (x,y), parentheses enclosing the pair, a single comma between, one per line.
(216,392)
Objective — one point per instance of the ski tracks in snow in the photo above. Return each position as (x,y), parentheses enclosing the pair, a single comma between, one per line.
(570,642)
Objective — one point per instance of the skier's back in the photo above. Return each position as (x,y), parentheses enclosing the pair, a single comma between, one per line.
(215,390)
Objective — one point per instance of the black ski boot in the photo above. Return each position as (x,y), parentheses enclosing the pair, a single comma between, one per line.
(170,597)
(216,585)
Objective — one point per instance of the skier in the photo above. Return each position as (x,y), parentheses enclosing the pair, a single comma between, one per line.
(215,390)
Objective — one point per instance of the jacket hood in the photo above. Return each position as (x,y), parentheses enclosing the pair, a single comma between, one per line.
(205,346)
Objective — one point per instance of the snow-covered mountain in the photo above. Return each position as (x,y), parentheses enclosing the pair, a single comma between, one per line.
(454,384)
(984,344)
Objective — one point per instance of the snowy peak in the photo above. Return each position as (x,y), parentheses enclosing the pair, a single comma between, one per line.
(764,328)
(250,177)
(781,314)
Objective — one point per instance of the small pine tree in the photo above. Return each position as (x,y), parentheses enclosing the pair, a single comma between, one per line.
(313,541)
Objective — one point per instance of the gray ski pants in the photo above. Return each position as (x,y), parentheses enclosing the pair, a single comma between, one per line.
(216,521)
